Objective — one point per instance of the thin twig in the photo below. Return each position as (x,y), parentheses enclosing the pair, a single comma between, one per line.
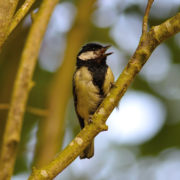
(22,86)
(154,37)
(4,106)
(146,16)
(29,109)
(20,14)
(37,111)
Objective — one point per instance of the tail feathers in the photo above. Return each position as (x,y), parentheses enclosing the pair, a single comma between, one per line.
(88,152)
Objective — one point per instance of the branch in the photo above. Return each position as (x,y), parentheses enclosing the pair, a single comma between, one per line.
(7,9)
(20,14)
(22,86)
(29,109)
(147,44)
(52,128)
(146,16)
(37,111)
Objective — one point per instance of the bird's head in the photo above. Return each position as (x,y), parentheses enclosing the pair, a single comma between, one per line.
(93,51)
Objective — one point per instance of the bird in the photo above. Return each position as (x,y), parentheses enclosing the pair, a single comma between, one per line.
(92,80)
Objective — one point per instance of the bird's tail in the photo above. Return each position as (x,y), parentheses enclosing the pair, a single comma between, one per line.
(88,151)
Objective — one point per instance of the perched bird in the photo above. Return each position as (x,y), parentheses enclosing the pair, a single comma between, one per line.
(92,81)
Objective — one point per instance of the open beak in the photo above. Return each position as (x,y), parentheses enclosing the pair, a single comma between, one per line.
(104,49)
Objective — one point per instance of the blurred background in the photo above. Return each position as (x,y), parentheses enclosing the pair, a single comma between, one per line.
(143,140)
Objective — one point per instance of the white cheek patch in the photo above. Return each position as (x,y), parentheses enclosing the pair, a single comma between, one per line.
(88,55)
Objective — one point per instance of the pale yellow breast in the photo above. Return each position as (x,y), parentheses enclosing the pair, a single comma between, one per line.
(87,94)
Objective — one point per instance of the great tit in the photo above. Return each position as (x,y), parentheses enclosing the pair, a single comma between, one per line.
(92,81)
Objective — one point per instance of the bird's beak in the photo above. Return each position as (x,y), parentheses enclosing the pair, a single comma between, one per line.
(104,49)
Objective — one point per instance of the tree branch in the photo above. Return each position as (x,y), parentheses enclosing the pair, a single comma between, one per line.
(7,9)
(22,86)
(20,14)
(29,109)
(146,16)
(147,44)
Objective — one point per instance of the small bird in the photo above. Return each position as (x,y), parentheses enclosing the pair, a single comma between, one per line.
(92,81)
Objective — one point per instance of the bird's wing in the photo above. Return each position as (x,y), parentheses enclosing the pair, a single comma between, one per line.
(81,120)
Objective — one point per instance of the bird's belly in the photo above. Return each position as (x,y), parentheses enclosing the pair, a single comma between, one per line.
(88,100)
(88,97)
